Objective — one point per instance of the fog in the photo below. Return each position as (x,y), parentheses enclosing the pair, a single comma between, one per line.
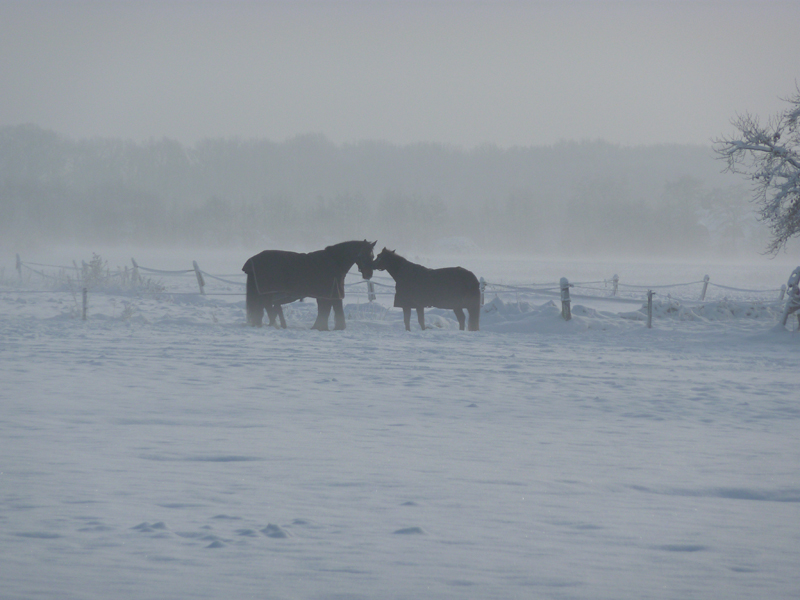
(569,199)
(459,73)
(570,128)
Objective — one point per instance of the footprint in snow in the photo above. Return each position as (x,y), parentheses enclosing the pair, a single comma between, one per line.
(146,527)
(95,527)
(274,531)
(410,531)
(246,532)
(681,547)
(39,535)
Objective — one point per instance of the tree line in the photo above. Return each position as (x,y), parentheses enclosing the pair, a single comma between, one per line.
(572,198)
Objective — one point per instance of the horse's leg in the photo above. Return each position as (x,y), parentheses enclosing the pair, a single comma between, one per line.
(256,314)
(421,316)
(474,309)
(407,317)
(279,310)
(254,304)
(270,308)
(323,312)
(460,316)
(338,315)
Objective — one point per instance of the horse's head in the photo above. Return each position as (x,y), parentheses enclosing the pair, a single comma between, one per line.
(365,259)
(380,262)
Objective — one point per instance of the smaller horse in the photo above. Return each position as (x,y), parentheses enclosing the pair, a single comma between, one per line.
(417,287)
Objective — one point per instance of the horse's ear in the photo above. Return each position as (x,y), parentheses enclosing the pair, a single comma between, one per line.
(373,243)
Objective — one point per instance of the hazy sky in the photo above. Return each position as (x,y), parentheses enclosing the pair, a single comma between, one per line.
(457,72)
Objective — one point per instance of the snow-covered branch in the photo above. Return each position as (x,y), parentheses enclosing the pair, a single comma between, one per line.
(770,157)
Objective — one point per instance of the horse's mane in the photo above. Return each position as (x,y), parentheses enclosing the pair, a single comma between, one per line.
(403,262)
(344,249)
(343,245)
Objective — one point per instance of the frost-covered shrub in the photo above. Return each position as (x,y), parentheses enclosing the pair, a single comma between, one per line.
(98,277)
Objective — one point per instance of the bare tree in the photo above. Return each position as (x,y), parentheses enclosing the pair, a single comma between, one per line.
(769,155)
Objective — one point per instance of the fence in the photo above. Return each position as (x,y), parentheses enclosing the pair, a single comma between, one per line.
(688,294)
(139,279)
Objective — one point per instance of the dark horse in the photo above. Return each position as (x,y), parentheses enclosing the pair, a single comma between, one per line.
(417,287)
(276,277)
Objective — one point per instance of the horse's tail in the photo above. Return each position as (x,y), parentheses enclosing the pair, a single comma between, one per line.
(253,302)
(474,303)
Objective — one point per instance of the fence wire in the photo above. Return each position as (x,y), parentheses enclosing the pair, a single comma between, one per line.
(131,280)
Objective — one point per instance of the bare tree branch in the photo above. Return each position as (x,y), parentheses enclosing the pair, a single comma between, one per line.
(769,156)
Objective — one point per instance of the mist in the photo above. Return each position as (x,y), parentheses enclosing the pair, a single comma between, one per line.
(568,199)
(510,73)
(546,128)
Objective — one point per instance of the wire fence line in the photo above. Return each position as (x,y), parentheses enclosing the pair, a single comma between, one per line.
(100,279)
(612,289)
(165,273)
(631,293)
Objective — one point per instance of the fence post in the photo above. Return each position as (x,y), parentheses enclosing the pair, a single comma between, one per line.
(19,268)
(649,309)
(483,289)
(85,304)
(565,309)
(371,291)
(135,276)
(615,281)
(705,287)
(197,272)
(793,301)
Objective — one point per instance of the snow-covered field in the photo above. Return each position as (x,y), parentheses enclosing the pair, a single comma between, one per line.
(162,449)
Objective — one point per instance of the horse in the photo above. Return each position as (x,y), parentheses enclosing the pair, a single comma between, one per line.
(417,287)
(277,277)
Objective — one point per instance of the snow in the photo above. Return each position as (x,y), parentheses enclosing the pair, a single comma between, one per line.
(163,449)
